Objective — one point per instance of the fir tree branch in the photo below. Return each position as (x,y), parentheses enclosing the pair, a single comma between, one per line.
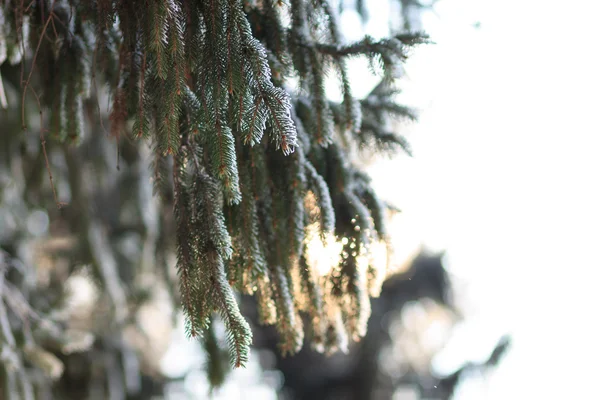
(319,187)
(205,82)
(239,333)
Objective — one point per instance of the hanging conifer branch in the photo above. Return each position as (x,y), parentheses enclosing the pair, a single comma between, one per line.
(187,259)
(206,85)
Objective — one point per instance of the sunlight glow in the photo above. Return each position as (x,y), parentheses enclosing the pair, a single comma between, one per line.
(379,257)
(322,254)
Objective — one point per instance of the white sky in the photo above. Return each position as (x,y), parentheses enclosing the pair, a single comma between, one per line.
(505,177)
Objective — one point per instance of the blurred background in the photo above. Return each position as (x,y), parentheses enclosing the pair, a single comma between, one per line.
(505,178)
(497,239)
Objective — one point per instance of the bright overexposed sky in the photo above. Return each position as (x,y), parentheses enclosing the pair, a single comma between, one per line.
(506,178)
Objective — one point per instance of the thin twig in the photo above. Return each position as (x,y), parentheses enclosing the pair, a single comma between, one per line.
(24,95)
(37,50)
(43,142)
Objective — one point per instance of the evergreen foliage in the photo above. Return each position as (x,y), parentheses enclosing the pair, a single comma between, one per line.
(259,176)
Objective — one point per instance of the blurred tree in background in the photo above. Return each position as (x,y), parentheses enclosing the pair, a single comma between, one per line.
(165,153)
